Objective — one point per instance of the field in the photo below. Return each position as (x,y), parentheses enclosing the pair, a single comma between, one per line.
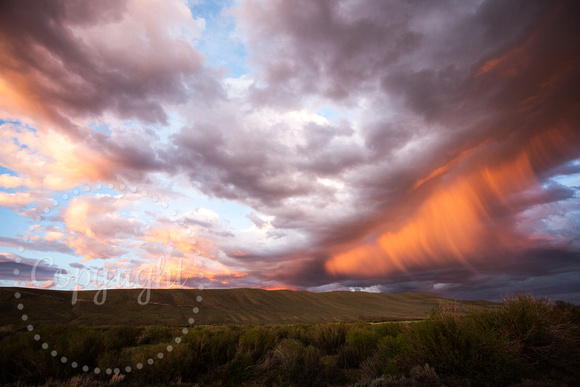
(523,341)
(217,307)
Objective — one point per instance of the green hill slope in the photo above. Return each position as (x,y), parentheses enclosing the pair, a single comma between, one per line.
(218,306)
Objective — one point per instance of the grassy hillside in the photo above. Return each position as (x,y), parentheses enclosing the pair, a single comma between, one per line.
(231,306)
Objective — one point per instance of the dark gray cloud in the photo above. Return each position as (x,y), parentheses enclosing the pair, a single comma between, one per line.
(37,245)
(464,87)
(26,270)
(343,49)
(66,68)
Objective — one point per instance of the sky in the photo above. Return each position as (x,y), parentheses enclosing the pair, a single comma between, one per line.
(381,146)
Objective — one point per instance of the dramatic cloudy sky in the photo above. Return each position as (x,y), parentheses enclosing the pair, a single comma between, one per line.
(321,145)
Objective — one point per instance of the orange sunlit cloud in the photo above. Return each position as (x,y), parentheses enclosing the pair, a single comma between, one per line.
(454,221)
(178,239)
(195,250)
(95,228)
(13,99)
(51,161)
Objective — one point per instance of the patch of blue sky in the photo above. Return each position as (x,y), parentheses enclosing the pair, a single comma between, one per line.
(228,211)
(100,127)
(571,180)
(331,114)
(6,171)
(143,211)
(9,190)
(174,124)
(15,122)
(218,42)
(18,123)
(12,225)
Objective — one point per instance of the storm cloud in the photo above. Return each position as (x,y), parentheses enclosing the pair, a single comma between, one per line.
(385,146)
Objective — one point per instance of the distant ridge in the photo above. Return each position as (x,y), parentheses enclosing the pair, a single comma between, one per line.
(217,307)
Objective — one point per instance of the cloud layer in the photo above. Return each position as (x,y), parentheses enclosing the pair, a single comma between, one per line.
(375,145)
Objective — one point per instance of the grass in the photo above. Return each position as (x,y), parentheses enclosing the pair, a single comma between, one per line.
(526,341)
(218,307)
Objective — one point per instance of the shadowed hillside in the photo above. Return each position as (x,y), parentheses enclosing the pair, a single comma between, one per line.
(229,306)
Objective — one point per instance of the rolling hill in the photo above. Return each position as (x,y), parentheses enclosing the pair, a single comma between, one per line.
(217,307)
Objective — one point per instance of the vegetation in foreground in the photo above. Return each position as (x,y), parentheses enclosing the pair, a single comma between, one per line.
(526,341)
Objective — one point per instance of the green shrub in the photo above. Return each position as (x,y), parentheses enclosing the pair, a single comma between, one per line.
(122,336)
(156,335)
(461,346)
(328,337)
(212,347)
(23,360)
(383,359)
(525,337)
(420,376)
(547,334)
(180,364)
(292,363)
(237,371)
(257,341)
(389,329)
(297,364)
(361,343)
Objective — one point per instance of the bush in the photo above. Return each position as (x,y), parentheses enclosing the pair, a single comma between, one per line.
(524,339)
(212,347)
(392,329)
(295,363)
(179,363)
(460,346)
(328,337)
(361,343)
(257,341)
(155,335)
(420,376)
(383,360)
(547,334)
